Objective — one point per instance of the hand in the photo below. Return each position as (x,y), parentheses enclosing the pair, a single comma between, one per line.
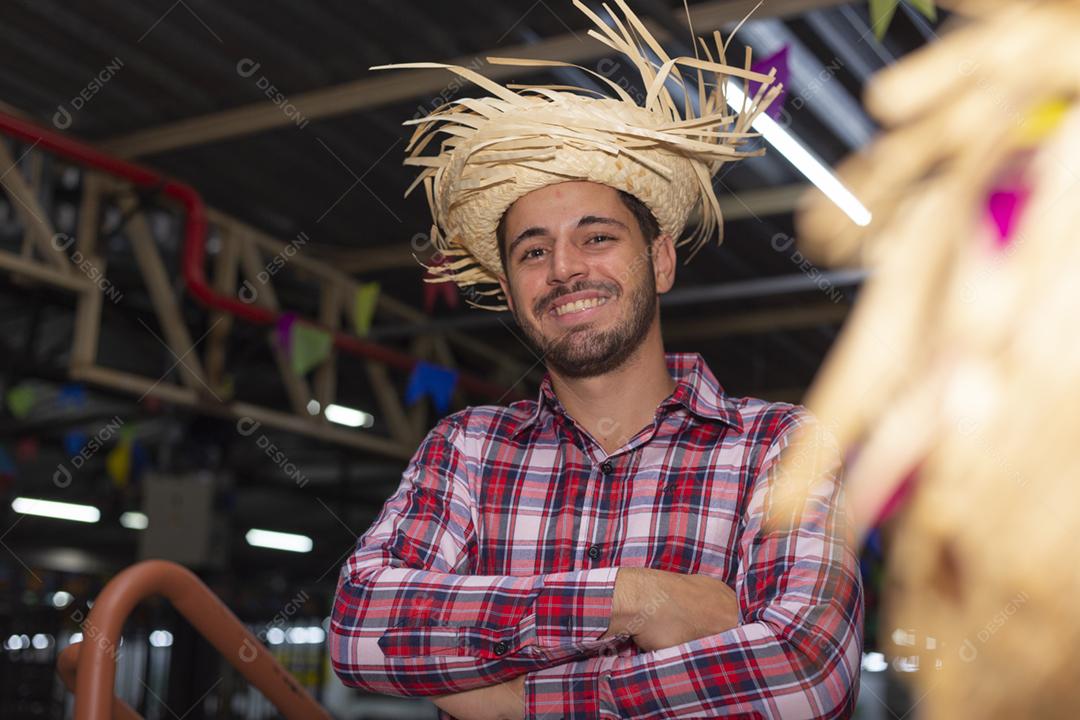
(505,701)
(661,609)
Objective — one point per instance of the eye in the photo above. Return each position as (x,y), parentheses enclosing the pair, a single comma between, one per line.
(527,255)
(600,238)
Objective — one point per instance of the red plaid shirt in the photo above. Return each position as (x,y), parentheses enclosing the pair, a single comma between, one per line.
(497,556)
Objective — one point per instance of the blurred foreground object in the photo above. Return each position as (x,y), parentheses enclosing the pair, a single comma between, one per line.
(956,381)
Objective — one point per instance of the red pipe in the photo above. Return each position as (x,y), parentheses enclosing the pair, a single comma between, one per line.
(194,254)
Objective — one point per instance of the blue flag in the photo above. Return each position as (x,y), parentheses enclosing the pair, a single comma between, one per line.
(432,380)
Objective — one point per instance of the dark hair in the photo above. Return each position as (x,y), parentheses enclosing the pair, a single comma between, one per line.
(642,214)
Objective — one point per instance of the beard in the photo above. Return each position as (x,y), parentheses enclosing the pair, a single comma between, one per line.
(583,351)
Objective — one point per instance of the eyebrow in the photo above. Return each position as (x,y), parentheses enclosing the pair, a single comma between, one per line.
(585,220)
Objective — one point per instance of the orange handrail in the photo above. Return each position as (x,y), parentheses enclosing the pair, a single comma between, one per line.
(66,664)
(94,658)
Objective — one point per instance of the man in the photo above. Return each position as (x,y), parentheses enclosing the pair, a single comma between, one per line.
(601,551)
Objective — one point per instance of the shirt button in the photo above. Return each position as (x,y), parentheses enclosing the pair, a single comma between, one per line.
(501,648)
(607,467)
(593,551)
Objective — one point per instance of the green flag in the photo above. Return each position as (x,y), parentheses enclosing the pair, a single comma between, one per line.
(882,12)
(20,400)
(367,294)
(309,346)
(926,7)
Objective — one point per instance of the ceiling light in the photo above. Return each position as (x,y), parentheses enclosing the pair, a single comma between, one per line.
(279,540)
(56,510)
(349,416)
(135,520)
(804,161)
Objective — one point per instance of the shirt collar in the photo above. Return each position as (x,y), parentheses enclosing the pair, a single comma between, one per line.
(696,389)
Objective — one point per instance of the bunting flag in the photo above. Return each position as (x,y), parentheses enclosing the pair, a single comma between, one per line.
(872,569)
(778,60)
(118,462)
(432,291)
(74,442)
(284,327)
(1004,206)
(367,295)
(20,400)
(882,12)
(72,395)
(309,347)
(435,381)
(7,467)
(1041,122)
(26,449)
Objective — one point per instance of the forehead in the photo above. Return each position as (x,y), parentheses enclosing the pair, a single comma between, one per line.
(563,201)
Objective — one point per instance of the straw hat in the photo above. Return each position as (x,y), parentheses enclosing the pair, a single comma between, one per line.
(495,149)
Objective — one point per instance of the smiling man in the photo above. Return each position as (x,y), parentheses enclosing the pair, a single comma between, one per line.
(602,550)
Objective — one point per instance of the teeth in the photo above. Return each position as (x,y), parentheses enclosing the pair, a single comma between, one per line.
(578,306)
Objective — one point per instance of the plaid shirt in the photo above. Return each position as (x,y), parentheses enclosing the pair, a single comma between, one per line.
(497,556)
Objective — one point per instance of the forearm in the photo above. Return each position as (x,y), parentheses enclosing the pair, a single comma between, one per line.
(751,671)
(403,631)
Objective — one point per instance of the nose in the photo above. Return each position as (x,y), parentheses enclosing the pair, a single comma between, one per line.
(567,262)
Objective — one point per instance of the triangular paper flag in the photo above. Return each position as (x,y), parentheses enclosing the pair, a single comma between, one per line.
(73,395)
(435,381)
(1005,206)
(284,328)
(118,463)
(778,60)
(310,347)
(926,7)
(881,15)
(367,294)
(73,442)
(7,467)
(433,290)
(20,400)
(1041,122)
(26,449)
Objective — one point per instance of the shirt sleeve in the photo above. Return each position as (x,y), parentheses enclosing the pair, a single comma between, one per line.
(796,654)
(409,618)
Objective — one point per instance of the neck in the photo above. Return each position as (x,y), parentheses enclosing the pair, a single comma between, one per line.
(605,407)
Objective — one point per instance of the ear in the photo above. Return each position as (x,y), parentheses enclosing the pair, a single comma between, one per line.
(505,285)
(663,253)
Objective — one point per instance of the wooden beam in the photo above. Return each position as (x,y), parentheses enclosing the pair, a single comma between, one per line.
(159,286)
(296,388)
(84,344)
(757,321)
(35,221)
(38,271)
(418,412)
(328,271)
(188,397)
(390,406)
(221,323)
(384,88)
(734,206)
(330,302)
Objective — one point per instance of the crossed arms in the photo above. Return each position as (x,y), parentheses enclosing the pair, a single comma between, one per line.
(409,620)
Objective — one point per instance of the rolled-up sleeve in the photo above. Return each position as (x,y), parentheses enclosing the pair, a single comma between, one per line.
(796,653)
(409,618)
